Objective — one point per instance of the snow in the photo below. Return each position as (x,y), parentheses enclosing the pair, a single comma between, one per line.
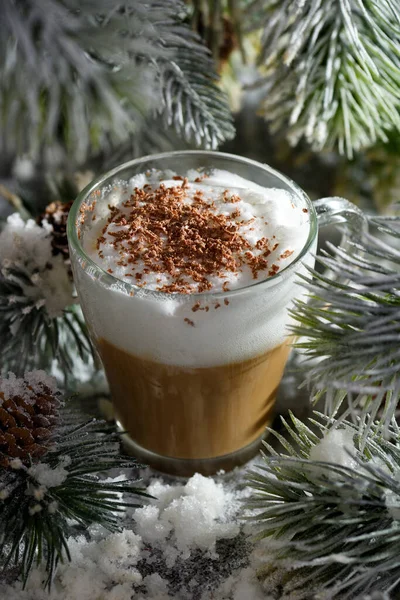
(38,378)
(28,386)
(24,168)
(14,386)
(186,544)
(47,476)
(35,509)
(26,246)
(156,586)
(241,586)
(197,514)
(4,493)
(337,447)
(150,526)
(24,241)
(52,507)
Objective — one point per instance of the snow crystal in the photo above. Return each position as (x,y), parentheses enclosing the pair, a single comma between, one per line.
(27,246)
(22,241)
(47,476)
(39,493)
(28,386)
(4,493)
(156,586)
(52,507)
(150,526)
(66,460)
(243,585)
(167,551)
(24,168)
(13,386)
(35,509)
(337,447)
(37,379)
(197,513)
(100,566)
(16,463)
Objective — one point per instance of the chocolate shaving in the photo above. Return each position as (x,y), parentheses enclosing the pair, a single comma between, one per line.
(157,231)
(273,270)
(286,254)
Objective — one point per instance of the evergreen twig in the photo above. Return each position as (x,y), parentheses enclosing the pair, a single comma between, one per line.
(79,77)
(46,501)
(331,70)
(349,326)
(333,527)
(39,320)
(191,101)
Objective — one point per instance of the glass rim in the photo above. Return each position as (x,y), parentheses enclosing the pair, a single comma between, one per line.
(110,279)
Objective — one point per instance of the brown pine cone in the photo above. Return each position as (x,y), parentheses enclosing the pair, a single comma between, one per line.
(27,424)
(56,214)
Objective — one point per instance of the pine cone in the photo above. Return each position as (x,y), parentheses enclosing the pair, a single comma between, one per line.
(26,425)
(56,214)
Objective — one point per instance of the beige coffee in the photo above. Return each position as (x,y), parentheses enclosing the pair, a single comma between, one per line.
(192,338)
(193,413)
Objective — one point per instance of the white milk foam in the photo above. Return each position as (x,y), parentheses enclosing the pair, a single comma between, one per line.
(164,328)
(274,213)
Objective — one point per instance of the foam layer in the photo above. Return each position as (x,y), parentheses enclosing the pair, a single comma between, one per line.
(208,329)
(271,228)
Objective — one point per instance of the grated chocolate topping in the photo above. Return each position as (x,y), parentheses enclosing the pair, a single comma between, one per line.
(157,230)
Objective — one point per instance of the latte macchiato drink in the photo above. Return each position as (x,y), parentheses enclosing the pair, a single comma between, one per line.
(191,320)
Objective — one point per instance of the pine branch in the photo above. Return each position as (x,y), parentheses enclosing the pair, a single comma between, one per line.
(350,327)
(39,322)
(74,89)
(192,102)
(79,77)
(330,511)
(331,70)
(43,496)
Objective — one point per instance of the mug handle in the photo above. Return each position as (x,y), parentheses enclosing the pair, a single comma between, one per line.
(338,210)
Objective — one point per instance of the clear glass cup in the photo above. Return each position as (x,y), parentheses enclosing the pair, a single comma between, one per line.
(193,390)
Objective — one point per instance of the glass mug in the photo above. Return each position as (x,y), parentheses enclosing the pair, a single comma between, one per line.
(193,398)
